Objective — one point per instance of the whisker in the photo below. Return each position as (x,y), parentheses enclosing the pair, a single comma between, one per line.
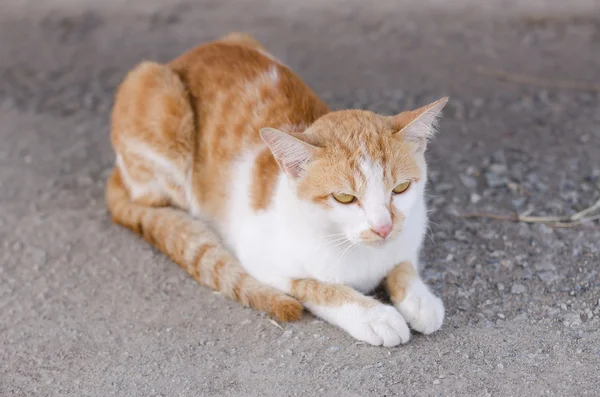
(346,251)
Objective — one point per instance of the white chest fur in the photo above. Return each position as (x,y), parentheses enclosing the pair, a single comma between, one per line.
(286,242)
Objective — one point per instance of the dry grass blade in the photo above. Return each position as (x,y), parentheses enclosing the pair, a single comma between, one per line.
(275,323)
(587,215)
(537,81)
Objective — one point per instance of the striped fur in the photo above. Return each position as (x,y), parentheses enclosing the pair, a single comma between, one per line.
(194,247)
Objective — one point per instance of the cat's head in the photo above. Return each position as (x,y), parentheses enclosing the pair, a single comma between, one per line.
(361,172)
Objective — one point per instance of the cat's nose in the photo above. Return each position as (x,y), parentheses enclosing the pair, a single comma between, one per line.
(382,231)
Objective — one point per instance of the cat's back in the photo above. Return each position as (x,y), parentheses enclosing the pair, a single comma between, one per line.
(237,85)
(235,88)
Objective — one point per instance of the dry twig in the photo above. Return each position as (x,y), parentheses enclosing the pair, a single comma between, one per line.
(587,215)
(537,81)
(275,323)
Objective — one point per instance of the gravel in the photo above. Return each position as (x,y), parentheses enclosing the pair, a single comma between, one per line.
(90,310)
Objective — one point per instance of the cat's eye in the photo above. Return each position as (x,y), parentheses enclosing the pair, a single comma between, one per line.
(344,198)
(401,188)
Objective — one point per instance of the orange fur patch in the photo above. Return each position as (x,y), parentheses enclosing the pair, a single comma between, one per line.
(347,139)
(264,178)
(315,292)
(398,281)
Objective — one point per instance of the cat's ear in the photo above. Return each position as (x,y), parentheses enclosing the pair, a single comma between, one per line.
(291,153)
(418,126)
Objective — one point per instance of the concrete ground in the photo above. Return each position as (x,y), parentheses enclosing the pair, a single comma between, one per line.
(88,309)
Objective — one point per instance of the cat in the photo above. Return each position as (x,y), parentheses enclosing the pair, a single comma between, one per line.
(232,166)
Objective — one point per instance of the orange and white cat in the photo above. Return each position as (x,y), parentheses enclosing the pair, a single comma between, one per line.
(230,164)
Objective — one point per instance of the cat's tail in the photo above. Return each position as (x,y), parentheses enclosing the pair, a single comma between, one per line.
(194,247)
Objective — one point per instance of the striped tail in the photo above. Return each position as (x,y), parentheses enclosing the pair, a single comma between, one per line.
(194,247)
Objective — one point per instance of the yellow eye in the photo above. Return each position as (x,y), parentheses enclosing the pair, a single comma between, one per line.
(344,198)
(401,188)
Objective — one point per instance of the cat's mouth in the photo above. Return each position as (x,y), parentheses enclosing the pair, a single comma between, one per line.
(377,243)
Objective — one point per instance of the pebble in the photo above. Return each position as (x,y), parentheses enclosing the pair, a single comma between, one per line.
(287,353)
(571,320)
(443,187)
(474,198)
(518,202)
(518,289)
(287,333)
(468,181)
(498,169)
(495,180)
(544,265)
(521,317)
(548,277)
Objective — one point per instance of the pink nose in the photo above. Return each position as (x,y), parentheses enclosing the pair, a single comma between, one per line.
(382,231)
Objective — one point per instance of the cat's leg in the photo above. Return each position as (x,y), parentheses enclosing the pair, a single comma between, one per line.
(152,134)
(362,317)
(193,245)
(420,307)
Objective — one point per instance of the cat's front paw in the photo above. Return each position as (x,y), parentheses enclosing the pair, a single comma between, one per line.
(422,309)
(378,325)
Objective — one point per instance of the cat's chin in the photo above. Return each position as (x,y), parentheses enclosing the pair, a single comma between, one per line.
(377,244)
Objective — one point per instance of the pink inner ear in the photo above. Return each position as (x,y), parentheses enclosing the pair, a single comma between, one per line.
(401,120)
(291,153)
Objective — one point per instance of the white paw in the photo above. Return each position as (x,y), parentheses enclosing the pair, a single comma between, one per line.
(378,325)
(421,309)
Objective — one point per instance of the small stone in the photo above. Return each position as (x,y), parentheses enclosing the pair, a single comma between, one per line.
(461,235)
(544,265)
(500,287)
(436,382)
(468,181)
(518,289)
(521,317)
(498,169)
(287,333)
(472,171)
(499,157)
(544,229)
(548,277)
(443,187)
(518,202)
(495,180)
(572,320)
(333,348)
(474,198)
